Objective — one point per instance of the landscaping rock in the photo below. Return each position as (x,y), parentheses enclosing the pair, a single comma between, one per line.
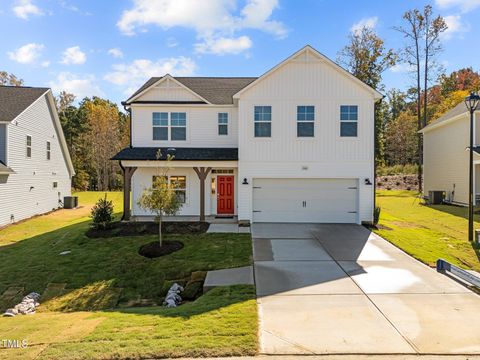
(192,290)
(398,182)
(173,298)
(27,306)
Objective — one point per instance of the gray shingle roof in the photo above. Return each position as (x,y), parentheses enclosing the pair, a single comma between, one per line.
(457,110)
(5,170)
(216,90)
(15,99)
(150,153)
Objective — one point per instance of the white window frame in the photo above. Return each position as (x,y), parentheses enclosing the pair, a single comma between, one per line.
(178,126)
(348,121)
(49,150)
(222,123)
(169,126)
(304,121)
(28,147)
(169,179)
(154,126)
(262,121)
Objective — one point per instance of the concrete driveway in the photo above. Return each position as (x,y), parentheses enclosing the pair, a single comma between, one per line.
(339,289)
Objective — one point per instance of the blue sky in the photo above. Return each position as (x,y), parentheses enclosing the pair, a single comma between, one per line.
(110,47)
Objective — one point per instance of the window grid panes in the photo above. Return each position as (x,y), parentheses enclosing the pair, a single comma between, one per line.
(263,121)
(160,125)
(48,150)
(178,183)
(178,126)
(29,146)
(222,123)
(349,121)
(305,121)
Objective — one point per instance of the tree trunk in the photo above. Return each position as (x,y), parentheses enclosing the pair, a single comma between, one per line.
(419,116)
(160,230)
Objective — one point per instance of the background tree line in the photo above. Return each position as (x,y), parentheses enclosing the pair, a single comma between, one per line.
(96,129)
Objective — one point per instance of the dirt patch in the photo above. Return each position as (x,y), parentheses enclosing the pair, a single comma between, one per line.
(397,182)
(154,250)
(408,225)
(149,228)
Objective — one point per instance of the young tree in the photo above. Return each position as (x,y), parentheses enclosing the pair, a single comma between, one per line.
(366,57)
(9,79)
(64,100)
(161,198)
(422,32)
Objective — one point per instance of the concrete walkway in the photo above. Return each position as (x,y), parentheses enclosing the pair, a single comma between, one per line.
(339,289)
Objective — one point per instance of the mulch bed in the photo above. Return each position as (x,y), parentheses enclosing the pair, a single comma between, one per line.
(148,228)
(154,250)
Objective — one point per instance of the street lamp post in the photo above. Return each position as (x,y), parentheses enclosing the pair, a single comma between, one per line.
(471,102)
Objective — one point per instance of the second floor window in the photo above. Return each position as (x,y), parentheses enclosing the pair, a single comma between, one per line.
(169,124)
(29,146)
(48,150)
(178,126)
(305,121)
(349,121)
(222,123)
(160,126)
(263,121)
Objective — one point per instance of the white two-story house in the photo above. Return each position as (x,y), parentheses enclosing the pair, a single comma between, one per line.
(293,145)
(35,166)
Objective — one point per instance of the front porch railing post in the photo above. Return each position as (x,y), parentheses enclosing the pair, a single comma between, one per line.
(202,174)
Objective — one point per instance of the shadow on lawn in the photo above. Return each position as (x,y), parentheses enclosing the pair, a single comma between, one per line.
(99,273)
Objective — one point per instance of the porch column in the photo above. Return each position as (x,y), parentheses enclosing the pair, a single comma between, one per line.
(127,179)
(202,175)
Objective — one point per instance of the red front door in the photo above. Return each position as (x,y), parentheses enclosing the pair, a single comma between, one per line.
(225,194)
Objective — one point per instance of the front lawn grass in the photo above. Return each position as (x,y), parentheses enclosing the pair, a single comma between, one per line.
(82,322)
(427,232)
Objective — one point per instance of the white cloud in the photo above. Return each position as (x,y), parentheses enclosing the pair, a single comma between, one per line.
(463,5)
(222,46)
(45,63)
(138,71)
(212,19)
(24,8)
(26,54)
(369,23)
(172,42)
(73,55)
(402,68)
(116,52)
(80,86)
(455,25)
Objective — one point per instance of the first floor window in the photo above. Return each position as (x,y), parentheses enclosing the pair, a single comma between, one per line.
(222,123)
(263,121)
(29,146)
(178,126)
(48,150)
(349,120)
(178,183)
(160,125)
(55,184)
(305,121)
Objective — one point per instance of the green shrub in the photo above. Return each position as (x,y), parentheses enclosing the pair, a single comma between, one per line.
(102,213)
(376,215)
(407,169)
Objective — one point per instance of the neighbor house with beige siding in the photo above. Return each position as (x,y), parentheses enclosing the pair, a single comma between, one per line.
(35,166)
(293,145)
(446,155)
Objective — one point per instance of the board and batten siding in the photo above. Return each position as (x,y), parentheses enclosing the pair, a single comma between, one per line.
(307,80)
(30,190)
(445,159)
(168,90)
(202,126)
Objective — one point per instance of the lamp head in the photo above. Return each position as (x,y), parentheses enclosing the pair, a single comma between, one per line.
(471,101)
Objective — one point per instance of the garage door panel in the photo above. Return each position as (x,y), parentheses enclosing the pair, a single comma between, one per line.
(305,200)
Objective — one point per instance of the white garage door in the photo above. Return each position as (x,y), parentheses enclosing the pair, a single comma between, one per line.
(305,200)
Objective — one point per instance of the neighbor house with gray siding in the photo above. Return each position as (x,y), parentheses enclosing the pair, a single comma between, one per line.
(35,166)
(446,143)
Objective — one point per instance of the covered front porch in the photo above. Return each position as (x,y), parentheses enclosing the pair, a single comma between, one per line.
(205,180)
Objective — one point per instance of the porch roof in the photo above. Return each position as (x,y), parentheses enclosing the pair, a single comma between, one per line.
(179,153)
